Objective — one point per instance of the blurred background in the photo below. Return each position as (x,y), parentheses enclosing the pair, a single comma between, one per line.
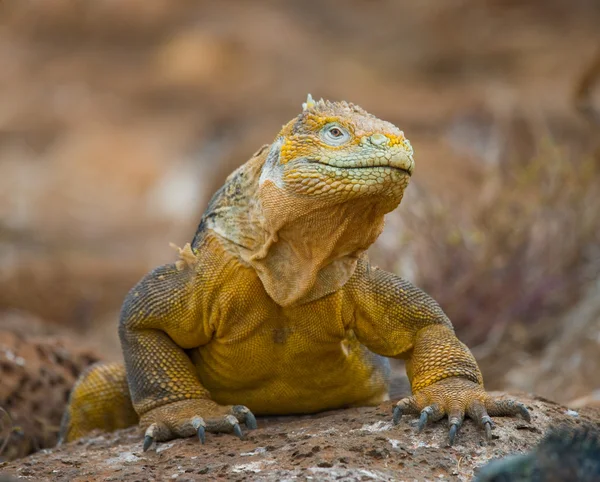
(119,119)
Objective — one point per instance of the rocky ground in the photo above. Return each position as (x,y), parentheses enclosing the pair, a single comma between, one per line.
(353,444)
(38,367)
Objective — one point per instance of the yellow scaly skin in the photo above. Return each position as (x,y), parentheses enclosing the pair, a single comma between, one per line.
(274,308)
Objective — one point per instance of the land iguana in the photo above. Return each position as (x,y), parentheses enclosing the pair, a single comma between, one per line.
(274,308)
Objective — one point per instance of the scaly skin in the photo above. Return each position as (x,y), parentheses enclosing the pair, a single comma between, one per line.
(274,307)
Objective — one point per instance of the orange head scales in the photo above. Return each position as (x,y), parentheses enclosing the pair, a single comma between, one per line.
(337,150)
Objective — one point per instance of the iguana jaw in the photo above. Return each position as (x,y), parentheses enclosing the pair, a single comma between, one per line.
(385,158)
(341,183)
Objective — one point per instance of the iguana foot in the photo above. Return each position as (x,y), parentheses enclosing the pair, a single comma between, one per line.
(455,397)
(194,417)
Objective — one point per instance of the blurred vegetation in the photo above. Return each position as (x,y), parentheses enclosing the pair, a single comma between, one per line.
(525,247)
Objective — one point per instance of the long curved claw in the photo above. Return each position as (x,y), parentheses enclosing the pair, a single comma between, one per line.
(200,427)
(244,414)
(250,421)
(150,436)
(479,414)
(147,442)
(452,432)
(231,425)
(503,408)
(488,429)
(397,415)
(201,434)
(404,406)
(238,431)
(455,420)
(431,413)
(425,414)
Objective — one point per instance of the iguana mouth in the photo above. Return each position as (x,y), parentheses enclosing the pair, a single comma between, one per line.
(395,168)
(404,164)
(399,160)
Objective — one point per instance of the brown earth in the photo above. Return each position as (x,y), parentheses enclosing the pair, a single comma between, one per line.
(352,444)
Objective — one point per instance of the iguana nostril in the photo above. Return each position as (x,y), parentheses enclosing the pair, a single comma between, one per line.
(379,140)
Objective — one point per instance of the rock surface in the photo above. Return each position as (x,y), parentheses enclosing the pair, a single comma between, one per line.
(38,368)
(352,444)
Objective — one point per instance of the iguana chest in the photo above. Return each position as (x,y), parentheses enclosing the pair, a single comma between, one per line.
(285,360)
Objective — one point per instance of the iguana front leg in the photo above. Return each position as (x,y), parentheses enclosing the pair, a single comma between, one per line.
(161,317)
(395,319)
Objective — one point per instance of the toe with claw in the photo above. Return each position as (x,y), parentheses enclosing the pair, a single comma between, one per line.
(200,426)
(455,398)
(194,418)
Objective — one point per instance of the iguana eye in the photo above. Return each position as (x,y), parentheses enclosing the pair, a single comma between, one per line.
(334,135)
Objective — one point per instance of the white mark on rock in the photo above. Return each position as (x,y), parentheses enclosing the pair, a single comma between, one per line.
(421,444)
(254,467)
(123,457)
(368,473)
(256,451)
(395,443)
(163,447)
(337,473)
(380,426)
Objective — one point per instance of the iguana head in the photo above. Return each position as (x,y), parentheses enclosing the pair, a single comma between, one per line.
(304,209)
(335,151)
